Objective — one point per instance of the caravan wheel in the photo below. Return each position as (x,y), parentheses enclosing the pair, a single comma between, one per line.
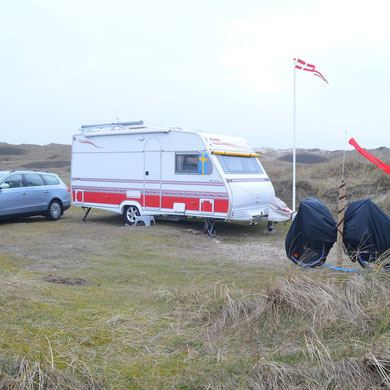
(130,213)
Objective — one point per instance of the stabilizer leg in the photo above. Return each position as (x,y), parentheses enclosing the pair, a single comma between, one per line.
(209,227)
(86,212)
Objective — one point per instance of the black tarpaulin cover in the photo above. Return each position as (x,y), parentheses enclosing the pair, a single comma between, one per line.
(367,227)
(313,227)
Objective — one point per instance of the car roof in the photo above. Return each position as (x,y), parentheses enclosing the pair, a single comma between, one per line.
(26,171)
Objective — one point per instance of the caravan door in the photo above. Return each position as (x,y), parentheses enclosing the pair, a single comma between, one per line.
(152,174)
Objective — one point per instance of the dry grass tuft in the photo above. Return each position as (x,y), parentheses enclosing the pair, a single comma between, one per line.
(350,302)
(378,360)
(236,312)
(307,332)
(315,299)
(18,284)
(24,375)
(268,374)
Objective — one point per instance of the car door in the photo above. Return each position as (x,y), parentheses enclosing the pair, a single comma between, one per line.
(13,198)
(37,193)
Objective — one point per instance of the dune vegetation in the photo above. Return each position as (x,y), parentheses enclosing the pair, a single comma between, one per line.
(98,305)
(319,175)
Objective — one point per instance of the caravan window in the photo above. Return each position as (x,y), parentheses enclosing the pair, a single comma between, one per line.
(238,164)
(193,164)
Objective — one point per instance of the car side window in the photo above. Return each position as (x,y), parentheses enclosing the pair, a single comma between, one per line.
(34,180)
(50,180)
(14,181)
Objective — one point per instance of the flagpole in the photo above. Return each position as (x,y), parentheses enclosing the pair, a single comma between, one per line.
(299,64)
(294,149)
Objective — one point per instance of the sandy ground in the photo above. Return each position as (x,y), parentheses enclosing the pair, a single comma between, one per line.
(44,246)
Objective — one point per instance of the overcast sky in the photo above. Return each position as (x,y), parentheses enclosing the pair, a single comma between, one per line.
(220,66)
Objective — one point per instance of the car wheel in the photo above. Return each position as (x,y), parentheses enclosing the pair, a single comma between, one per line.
(54,211)
(130,213)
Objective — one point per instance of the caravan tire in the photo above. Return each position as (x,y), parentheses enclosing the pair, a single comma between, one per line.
(130,213)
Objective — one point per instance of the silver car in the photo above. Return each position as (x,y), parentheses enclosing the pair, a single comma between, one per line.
(27,193)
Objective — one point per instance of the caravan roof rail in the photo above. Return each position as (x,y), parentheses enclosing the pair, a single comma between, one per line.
(122,125)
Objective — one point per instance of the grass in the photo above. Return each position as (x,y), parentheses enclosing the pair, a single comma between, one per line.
(165,309)
(115,326)
(162,308)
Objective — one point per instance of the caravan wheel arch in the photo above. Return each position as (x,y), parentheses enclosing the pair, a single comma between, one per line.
(130,203)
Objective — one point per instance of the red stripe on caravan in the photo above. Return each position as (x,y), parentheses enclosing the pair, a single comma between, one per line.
(192,204)
(152,201)
(105,198)
(221,205)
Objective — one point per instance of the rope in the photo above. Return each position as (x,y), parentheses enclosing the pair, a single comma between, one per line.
(343,269)
(312,265)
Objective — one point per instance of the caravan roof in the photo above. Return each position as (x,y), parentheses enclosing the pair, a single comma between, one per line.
(215,142)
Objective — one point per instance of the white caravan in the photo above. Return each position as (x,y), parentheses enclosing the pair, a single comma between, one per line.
(134,170)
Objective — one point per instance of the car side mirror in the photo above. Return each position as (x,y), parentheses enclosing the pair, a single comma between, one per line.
(4,185)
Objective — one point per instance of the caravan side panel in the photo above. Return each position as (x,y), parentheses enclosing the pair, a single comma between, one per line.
(110,171)
(103,173)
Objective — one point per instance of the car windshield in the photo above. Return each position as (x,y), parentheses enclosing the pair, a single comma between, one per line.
(239,164)
(2,174)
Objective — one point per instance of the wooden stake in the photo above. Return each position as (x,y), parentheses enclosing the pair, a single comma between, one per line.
(340,223)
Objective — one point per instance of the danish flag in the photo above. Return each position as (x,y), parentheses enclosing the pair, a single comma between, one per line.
(299,64)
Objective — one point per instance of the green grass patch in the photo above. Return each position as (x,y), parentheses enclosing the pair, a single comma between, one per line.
(102,306)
